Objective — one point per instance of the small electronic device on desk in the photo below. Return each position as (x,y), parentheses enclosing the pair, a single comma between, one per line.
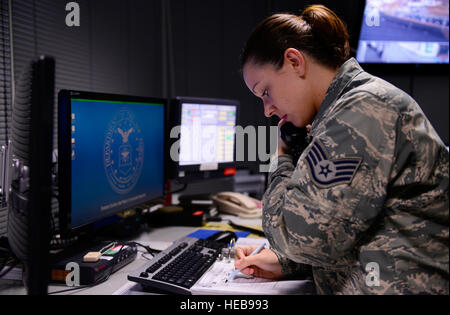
(193,203)
(175,215)
(95,264)
(224,237)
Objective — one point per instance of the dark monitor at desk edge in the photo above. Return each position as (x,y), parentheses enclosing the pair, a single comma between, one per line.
(30,194)
(202,141)
(110,155)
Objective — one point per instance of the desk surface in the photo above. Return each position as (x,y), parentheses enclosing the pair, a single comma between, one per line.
(157,238)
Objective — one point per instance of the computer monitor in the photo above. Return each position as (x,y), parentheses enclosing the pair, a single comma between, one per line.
(110,155)
(202,138)
(29,203)
(404,32)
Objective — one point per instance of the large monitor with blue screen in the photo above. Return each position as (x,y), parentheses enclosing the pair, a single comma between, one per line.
(111,155)
(404,32)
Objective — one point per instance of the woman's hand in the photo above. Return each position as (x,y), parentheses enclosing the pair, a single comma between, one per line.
(282,147)
(265,264)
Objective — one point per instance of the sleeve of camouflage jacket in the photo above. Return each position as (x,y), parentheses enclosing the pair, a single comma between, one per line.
(312,214)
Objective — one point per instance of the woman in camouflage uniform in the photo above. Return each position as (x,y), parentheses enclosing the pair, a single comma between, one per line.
(365,208)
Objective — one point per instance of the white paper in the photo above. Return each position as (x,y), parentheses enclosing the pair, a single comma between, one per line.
(251,241)
(213,281)
(125,289)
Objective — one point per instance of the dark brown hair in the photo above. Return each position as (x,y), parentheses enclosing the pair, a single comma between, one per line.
(318,32)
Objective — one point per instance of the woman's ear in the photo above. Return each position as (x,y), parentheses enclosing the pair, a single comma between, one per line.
(295,59)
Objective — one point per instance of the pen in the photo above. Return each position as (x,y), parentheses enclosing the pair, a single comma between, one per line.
(236,271)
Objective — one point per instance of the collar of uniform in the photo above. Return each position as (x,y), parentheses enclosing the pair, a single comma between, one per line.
(343,77)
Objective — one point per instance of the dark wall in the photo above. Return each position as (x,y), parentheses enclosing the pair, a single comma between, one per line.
(178,47)
(431,92)
(427,85)
(208,37)
(350,11)
(207,40)
(116,48)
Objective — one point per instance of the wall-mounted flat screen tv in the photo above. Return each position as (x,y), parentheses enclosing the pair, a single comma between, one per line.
(404,32)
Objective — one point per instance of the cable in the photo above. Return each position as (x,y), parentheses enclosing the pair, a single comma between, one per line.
(246,228)
(8,269)
(143,255)
(108,247)
(84,286)
(150,250)
(7,262)
(178,190)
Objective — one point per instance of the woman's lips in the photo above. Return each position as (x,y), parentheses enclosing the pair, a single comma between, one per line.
(284,117)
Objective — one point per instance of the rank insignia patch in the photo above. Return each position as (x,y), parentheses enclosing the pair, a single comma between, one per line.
(325,172)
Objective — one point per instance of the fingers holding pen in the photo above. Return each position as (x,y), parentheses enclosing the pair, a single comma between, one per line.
(243,260)
(264,264)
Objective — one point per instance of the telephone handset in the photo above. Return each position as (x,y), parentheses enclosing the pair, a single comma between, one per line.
(238,204)
(296,138)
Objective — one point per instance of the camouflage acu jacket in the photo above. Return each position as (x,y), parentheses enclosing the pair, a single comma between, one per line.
(366,206)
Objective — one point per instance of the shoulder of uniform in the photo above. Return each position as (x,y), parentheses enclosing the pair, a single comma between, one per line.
(375,90)
(367,101)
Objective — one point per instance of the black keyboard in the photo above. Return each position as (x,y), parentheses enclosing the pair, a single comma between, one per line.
(178,267)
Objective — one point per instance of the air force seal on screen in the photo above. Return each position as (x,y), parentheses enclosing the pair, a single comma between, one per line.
(325,172)
(123,153)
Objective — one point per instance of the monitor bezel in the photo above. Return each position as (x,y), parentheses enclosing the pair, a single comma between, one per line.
(192,172)
(65,160)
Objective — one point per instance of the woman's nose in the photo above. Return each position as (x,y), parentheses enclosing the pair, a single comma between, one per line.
(269,110)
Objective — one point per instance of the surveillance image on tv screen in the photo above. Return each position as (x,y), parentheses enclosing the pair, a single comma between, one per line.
(404,31)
